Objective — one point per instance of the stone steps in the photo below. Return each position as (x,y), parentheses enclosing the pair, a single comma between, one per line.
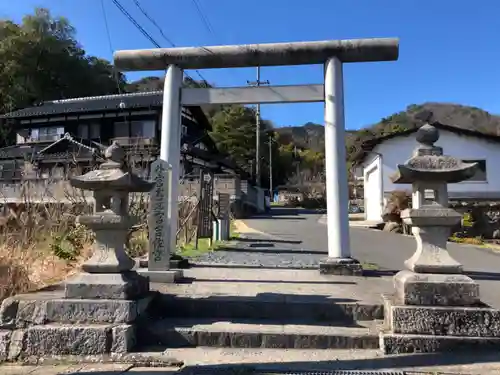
(264,307)
(66,339)
(248,308)
(172,332)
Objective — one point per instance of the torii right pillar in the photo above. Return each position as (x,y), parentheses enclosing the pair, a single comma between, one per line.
(339,261)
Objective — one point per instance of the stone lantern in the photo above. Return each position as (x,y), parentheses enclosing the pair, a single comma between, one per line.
(109,273)
(435,306)
(433,276)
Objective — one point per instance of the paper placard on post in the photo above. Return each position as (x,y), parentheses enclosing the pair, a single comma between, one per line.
(224,205)
(205,205)
(159,226)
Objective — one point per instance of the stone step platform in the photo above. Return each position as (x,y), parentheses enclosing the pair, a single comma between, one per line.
(399,343)
(172,333)
(480,320)
(66,339)
(271,294)
(264,307)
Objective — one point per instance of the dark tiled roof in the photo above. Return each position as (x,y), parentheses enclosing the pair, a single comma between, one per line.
(91,104)
(369,145)
(36,151)
(17,151)
(138,100)
(63,144)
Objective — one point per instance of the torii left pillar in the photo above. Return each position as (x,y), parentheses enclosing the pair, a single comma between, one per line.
(170,146)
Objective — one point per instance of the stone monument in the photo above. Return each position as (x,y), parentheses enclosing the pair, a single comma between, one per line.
(435,306)
(158,263)
(96,311)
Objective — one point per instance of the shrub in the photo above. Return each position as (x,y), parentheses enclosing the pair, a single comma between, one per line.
(459,238)
(397,201)
(314,203)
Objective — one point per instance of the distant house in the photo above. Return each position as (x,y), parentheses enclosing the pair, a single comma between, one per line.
(64,137)
(285,194)
(380,157)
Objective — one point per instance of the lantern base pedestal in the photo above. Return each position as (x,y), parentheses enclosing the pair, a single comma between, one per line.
(125,286)
(428,329)
(433,289)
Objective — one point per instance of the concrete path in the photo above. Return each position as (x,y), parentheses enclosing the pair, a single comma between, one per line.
(293,238)
(205,361)
(328,360)
(278,285)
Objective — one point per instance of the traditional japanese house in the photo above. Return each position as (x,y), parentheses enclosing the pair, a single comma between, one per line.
(59,138)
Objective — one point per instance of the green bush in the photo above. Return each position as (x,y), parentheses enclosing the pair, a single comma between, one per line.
(69,244)
(314,203)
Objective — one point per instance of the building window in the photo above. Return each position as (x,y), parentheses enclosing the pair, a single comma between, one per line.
(89,131)
(135,129)
(121,129)
(22,136)
(47,133)
(481,171)
(10,170)
(95,131)
(83,131)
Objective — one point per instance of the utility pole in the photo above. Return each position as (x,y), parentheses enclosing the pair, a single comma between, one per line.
(271,196)
(297,165)
(257,130)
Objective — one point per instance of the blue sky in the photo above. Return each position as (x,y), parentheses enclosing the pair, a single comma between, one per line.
(449,49)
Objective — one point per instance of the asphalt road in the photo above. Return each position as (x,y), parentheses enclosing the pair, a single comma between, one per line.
(298,232)
(388,250)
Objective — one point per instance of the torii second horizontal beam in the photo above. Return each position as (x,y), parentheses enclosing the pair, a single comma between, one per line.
(250,55)
(253,95)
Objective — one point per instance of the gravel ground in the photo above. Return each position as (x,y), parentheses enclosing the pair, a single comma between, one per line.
(286,243)
(256,250)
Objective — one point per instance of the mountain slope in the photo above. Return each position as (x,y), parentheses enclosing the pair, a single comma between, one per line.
(472,118)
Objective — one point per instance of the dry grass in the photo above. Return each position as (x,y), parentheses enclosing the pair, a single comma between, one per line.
(40,244)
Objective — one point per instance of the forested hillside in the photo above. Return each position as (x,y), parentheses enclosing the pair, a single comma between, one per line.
(312,135)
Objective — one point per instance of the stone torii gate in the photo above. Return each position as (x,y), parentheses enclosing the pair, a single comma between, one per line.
(331,53)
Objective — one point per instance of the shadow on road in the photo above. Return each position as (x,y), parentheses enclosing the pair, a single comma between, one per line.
(190,280)
(476,275)
(274,217)
(372,364)
(258,240)
(271,251)
(250,266)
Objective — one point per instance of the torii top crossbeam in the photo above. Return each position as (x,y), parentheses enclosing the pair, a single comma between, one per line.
(249,55)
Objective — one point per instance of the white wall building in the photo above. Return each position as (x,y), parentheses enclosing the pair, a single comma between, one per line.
(384,154)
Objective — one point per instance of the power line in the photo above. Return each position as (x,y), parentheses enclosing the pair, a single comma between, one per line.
(151,19)
(204,19)
(110,43)
(115,72)
(135,23)
(155,24)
